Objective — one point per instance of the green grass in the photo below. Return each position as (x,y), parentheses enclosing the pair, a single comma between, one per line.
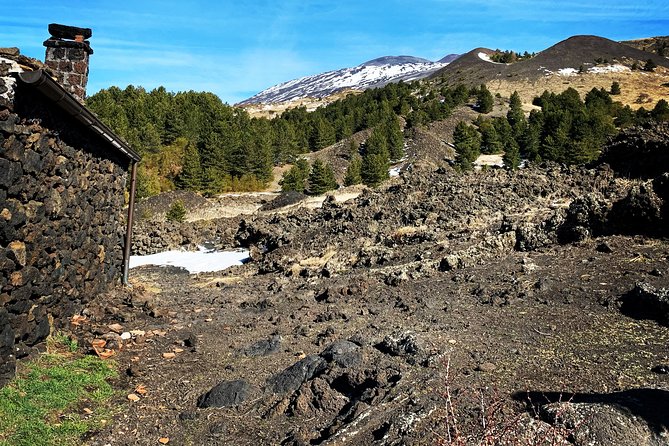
(44,404)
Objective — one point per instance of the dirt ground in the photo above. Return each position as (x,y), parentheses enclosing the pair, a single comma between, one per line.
(409,315)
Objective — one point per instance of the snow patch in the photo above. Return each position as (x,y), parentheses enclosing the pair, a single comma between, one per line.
(567,72)
(360,77)
(486,57)
(617,68)
(201,261)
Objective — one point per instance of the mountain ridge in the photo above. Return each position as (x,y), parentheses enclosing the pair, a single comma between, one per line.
(373,73)
(565,57)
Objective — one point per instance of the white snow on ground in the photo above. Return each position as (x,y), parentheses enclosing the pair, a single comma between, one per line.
(395,171)
(484,56)
(567,71)
(617,68)
(360,77)
(201,261)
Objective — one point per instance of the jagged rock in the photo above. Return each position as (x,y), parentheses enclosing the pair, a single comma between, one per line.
(586,216)
(646,302)
(404,344)
(264,347)
(7,357)
(640,212)
(225,394)
(294,376)
(639,152)
(598,423)
(343,353)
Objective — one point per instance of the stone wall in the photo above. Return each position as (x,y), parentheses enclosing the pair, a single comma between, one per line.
(62,222)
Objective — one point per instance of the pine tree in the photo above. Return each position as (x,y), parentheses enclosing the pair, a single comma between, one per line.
(395,138)
(353,171)
(293,180)
(321,178)
(650,65)
(615,88)
(177,212)
(516,115)
(376,159)
(467,145)
(661,111)
(322,134)
(485,100)
(511,156)
(191,173)
(490,141)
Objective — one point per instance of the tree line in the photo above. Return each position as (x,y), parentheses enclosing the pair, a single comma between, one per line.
(566,128)
(192,140)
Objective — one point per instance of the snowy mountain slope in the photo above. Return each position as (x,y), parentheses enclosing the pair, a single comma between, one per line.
(373,73)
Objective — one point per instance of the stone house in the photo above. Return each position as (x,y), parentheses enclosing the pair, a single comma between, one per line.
(64,233)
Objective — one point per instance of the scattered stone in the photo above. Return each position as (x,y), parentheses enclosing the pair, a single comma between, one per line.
(292,378)
(116,328)
(264,347)
(188,416)
(225,394)
(646,302)
(343,353)
(604,247)
(662,369)
(486,367)
(403,344)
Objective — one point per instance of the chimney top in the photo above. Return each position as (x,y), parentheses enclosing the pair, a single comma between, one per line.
(68,32)
(67,54)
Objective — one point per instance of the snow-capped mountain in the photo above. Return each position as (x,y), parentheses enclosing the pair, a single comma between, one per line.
(374,73)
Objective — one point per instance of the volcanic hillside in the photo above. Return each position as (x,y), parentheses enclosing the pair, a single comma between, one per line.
(580,62)
(571,53)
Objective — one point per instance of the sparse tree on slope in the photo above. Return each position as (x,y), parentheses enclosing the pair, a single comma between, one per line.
(376,159)
(661,111)
(516,115)
(353,171)
(467,145)
(395,138)
(321,178)
(485,100)
(490,141)
(511,156)
(295,178)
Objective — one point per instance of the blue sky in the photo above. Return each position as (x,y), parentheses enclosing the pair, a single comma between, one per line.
(237,48)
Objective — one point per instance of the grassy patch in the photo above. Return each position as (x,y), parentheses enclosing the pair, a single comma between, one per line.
(56,398)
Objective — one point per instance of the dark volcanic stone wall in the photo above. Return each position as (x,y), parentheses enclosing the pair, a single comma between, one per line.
(61,219)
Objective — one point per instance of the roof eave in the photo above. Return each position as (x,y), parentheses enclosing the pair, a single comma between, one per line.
(64,100)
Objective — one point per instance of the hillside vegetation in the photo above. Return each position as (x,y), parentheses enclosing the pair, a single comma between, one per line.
(196,142)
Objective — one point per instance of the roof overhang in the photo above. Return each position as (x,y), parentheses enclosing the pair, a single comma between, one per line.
(65,101)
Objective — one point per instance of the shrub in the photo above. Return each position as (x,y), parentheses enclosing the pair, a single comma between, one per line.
(177,212)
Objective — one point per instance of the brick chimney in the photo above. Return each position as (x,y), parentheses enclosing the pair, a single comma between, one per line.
(67,53)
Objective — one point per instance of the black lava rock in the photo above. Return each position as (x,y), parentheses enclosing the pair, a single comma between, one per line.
(225,394)
(292,378)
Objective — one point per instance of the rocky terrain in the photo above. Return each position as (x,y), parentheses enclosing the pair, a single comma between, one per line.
(444,308)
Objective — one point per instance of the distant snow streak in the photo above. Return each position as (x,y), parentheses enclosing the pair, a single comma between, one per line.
(360,78)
